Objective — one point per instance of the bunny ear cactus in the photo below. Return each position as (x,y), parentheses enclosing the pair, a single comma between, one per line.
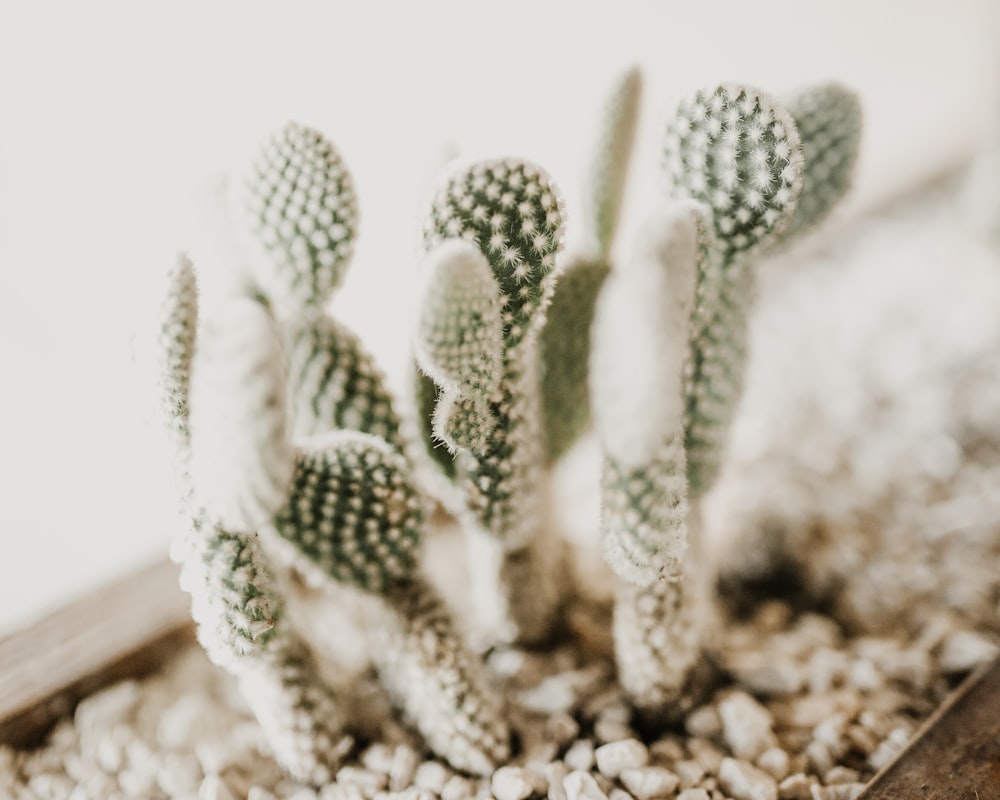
(334,491)
(564,341)
(736,151)
(492,237)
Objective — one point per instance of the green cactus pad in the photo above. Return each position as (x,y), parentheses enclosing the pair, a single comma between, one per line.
(459,337)
(564,349)
(828,118)
(513,213)
(463,422)
(241,461)
(353,511)
(301,208)
(610,162)
(738,151)
(333,382)
(178,322)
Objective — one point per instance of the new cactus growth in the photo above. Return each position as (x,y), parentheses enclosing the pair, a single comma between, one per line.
(492,237)
(331,486)
(678,315)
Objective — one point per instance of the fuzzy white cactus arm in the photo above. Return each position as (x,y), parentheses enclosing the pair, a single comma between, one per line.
(737,151)
(828,118)
(234,601)
(637,368)
(241,460)
(511,213)
(565,339)
(442,689)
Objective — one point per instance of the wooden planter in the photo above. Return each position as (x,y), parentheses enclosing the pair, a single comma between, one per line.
(133,626)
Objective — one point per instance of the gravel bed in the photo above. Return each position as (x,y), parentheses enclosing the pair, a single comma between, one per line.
(799,711)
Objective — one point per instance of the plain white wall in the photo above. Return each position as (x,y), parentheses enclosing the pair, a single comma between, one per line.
(111,112)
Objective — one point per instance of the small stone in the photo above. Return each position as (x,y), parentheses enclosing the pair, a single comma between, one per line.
(580,755)
(647,783)
(612,730)
(403,767)
(627,754)
(891,747)
(690,772)
(841,791)
(368,781)
(775,762)
(841,774)
(512,783)
(179,775)
(458,788)
(743,781)
(821,760)
(553,695)
(667,749)
(378,758)
(214,788)
(706,754)
(696,793)
(257,793)
(619,794)
(431,775)
(704,722)
(831,733)
(746,725)
(102,710)
(963,651)
(556,773)
(580,785)
(767,674)
(861,739)
(51,787)
(561,729)
(795,787)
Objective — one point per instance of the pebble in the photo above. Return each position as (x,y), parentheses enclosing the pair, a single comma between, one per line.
(580,755)
(694,794)
(647,783)
(608,730)
(703,722)
(963,651)
(841,774)
(765,675)
(403,767)
(562,729)
(458,788)
(580,785)
(775,762)
(626,754)
(513,783)
(555,774)
(619,794)
(706,754)
(431,775)
(213,788)
(743,781)
(796,787)
(690,772)
(366,780)
(747,726)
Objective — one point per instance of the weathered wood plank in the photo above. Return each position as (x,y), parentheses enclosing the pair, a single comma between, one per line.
(120,631)
(956,753)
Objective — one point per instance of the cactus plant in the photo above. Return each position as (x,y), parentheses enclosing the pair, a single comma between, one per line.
(328,483)
(734,167)
(492,238)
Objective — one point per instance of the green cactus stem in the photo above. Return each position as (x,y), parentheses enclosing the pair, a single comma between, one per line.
(489,400)
(565,340)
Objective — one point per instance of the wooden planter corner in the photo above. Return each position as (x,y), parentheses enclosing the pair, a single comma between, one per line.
(133,626)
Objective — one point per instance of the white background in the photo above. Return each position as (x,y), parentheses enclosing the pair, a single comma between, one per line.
(111,112)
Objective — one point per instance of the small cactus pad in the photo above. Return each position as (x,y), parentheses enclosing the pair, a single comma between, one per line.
(736,150)
(463,422)
(459,338)
(353,511)
(333,382)
(301,206)
(241,461)
(828,118)
(175,347)
(610,163)
(513,213)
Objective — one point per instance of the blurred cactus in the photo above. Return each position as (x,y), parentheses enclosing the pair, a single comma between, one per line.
(335,488)
(564,341)
(492,237)
(677,315)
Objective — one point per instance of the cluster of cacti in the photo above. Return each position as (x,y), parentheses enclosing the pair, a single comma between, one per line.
(288,439)
(331,486)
